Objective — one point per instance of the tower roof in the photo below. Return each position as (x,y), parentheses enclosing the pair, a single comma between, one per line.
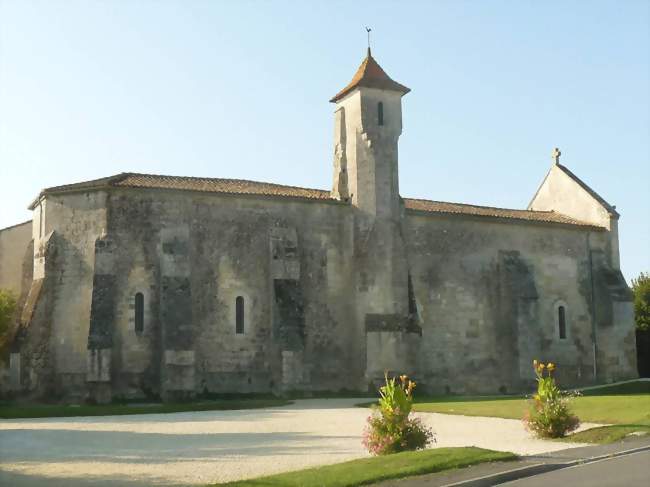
(371,75)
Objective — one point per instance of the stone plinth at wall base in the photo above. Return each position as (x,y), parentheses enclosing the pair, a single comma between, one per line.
(295,375)
(99,392)
(178,374)
(178,395)
(392,351)
(98,365)
(14,372)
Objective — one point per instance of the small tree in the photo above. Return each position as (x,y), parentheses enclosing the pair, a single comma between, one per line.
(7,310)
(641,290)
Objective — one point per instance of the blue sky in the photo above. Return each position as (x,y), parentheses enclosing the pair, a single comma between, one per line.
(241,90)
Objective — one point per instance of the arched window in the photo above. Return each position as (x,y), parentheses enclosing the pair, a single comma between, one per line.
(561,321)
(139,313)
(239,315)
(380,113)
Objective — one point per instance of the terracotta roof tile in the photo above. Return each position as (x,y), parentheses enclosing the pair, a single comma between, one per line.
(371,75)
(214,185)
(244,187)
(487,211)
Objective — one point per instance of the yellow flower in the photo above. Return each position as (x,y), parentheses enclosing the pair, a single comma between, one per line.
(541,366)
(535,363)
(403,378)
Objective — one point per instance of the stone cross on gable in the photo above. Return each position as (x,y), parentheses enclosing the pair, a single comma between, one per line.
(556,155)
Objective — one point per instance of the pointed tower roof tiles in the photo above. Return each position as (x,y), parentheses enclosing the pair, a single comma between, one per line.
(371,75)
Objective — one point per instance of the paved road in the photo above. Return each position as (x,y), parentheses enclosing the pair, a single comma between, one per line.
(626,471)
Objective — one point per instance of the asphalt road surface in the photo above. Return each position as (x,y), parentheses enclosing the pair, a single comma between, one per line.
(629,470)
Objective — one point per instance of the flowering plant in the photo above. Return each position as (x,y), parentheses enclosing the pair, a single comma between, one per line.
(549,415)
(390,427)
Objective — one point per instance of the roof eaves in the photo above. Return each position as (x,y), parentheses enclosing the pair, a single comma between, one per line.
(565,219)
(81,186)
(15,225)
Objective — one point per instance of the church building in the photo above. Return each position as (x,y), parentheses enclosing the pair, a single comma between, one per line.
(142,285)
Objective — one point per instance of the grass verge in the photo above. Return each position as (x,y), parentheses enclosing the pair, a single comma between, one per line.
(370,470)
(16,411)
(607,409)
(608,434)
(624,406)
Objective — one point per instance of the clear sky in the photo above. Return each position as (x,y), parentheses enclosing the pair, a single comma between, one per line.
(240,89)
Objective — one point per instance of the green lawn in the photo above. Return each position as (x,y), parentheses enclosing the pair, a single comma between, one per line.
(370,470)
(607,409)
(627,406)
(15,411)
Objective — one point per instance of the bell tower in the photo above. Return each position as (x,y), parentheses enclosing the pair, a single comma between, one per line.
(368,123)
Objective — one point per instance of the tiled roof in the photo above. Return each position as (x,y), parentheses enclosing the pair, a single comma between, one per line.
(487,211)
(208,185)
(371,75)
(213,185)
(243,187)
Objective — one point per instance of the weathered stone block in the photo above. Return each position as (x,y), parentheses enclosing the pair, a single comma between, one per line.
(98,365)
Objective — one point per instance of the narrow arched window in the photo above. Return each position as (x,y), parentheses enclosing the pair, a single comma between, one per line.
(561,322)
(239,315)
(139,313)
(380,113)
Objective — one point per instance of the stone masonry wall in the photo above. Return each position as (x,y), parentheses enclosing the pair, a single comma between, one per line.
(13,244)
(72,223)
(481,299)
(193,255)
(488,293)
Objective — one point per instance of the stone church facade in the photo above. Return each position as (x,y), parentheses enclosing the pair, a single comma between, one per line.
(140,285)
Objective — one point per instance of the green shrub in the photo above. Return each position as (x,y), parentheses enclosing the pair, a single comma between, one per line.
(7,309)
(549,415)
(390,427)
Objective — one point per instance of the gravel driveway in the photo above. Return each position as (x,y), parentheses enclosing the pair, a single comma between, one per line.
(210,446)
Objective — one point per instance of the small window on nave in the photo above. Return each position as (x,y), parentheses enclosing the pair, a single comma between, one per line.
(139,313)
(239,315)
(380,113)
(561,322)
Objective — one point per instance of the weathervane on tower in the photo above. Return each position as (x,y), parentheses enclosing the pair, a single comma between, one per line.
(368,30)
